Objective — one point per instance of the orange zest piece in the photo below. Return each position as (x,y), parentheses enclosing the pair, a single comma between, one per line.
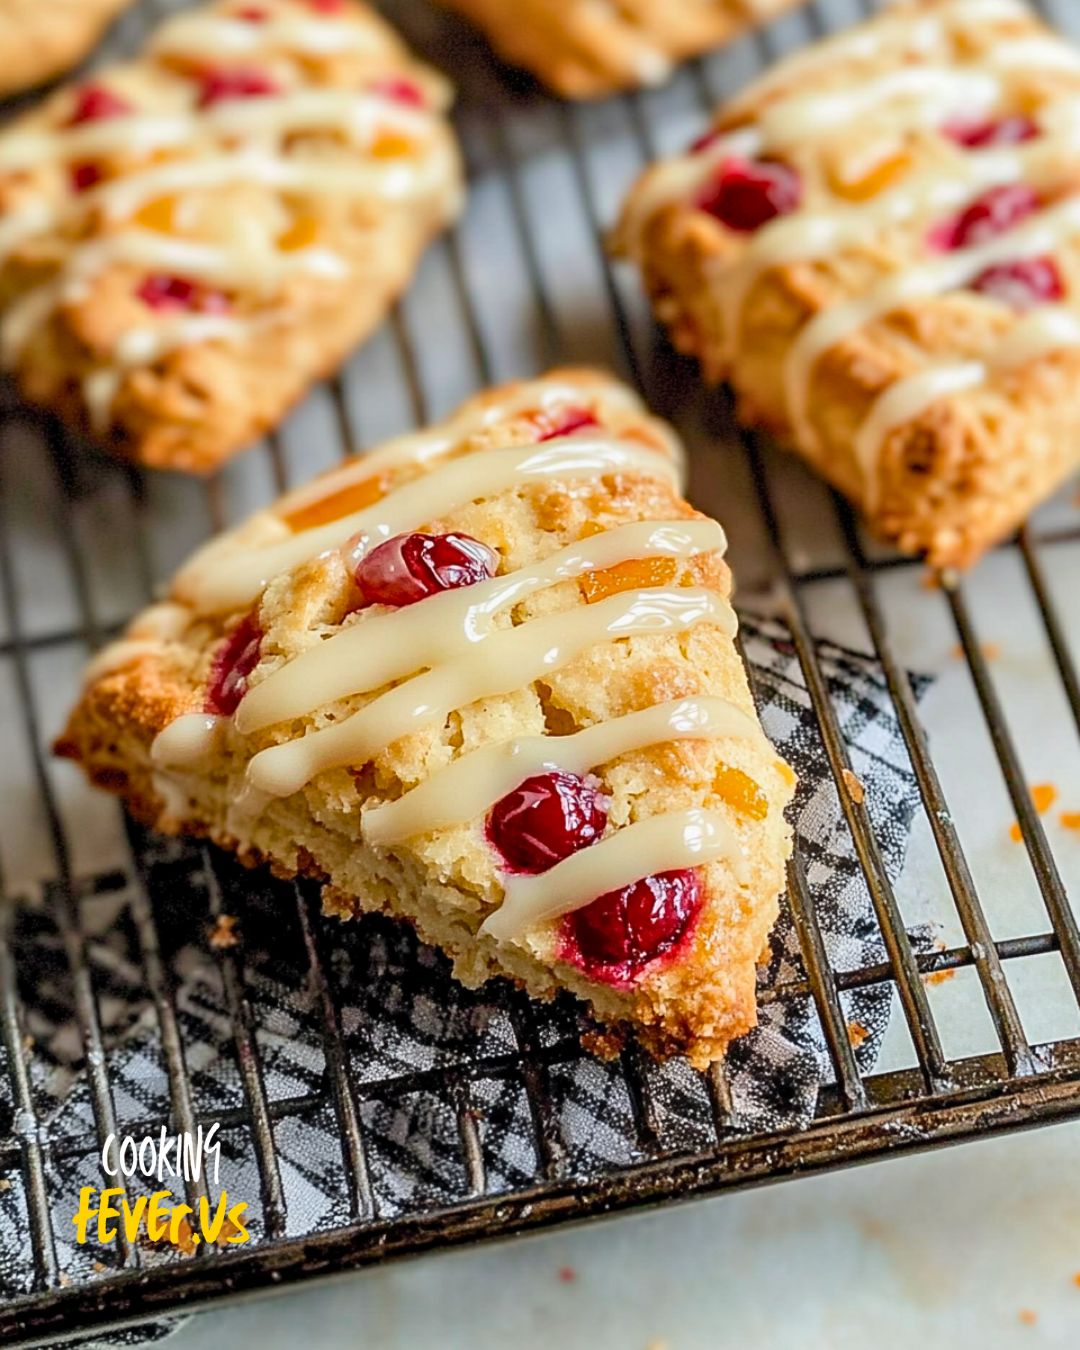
(353,497)
(159,215)
(302,233)
(857,1033)
(1070,820)
(639,573)
(740,792)
(1043,796)
(391,145)
(862,186)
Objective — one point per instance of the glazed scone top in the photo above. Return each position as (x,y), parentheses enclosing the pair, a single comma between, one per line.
(199,190)
(876,146)
(417,664)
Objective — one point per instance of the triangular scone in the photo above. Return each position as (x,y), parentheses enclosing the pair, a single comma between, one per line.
(40,41)
(476,679)
(878,245)
(190,239)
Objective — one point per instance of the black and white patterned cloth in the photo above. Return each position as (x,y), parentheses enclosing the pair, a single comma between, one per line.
(403,1014)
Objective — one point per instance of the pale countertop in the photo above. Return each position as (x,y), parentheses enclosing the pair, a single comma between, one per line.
(971,1248)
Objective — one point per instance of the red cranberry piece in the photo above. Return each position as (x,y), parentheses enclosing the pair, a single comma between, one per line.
(233,664)
(976,135)
(992,214)
(164,293)
(563,423)
(545,819)
(702,142)
(218,85)
(96,103)
(1023,284)
(399,90)
(746,194)
(252,14)
(617,934)
(327,6)
(86,176)
(411,567)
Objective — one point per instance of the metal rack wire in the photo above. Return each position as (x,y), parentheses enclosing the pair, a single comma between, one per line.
(936,1099)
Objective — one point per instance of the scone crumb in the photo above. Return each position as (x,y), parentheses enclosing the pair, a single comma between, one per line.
(991,651)
(857,1034)
(5,1184)
(855,789)
(1070,820)
(938,976)
(224,934)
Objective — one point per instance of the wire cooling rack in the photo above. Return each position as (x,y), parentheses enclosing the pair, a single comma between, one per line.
(522,283)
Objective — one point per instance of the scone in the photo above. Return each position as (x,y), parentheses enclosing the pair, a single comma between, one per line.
(188,241)
(878,245)
(43,38)
(586,48)
(481,679)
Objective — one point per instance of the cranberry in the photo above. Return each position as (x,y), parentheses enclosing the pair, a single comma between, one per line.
(702,142)
(327,6)
(222,83)
(233,664)
(976,135)
(746,194)
(992,214)
(619,933)
(1023,284)
(165,292)
(252,14)
(96,103)
(545,819)
(86,176)
(563,423)
(411,567)
(399,90)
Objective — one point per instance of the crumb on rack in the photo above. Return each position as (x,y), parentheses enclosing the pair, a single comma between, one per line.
(1043,796)
(1076,1279)
(938,976)
(1028,1316)
(855,789)
(1070,820)
(5,1184)
(856,1034)
(991,651)
(224,934)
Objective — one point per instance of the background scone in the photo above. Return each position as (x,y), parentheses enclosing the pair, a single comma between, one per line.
(191,239)
(482,679)
(879,246)
(585,48)
(43,38)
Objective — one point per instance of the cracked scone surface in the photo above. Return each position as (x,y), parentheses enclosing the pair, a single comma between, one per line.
(189,240)
(587,48)
(878,245)
(42,40)
(614,603)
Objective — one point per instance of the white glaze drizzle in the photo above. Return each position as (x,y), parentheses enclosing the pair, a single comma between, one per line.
(471,785)
(451,650)
(212,35)
(664,843)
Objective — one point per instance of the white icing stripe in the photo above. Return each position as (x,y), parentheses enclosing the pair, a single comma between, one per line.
(661,844)
(210,588)
(238,265)
(188,741)
(1036,336)
(1041,233)
(470,786)
(446,626)
(214,35)
(354,114)
(508,660)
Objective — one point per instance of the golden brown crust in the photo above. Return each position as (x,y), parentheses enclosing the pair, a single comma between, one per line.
(445,883)
(584,49)
(195,401)
(960,473)
(42,40)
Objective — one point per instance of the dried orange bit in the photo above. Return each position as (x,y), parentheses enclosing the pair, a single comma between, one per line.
(160,215)
(224,934)
(938,976)
(854,786)
(1076,1279)
(857,1033)
(302,233)
(740,792)
(990,650)
(391,145)
(1070,820)
(1028,1316)
(353,497)
(1043,796)
(628,576)
(858,182)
